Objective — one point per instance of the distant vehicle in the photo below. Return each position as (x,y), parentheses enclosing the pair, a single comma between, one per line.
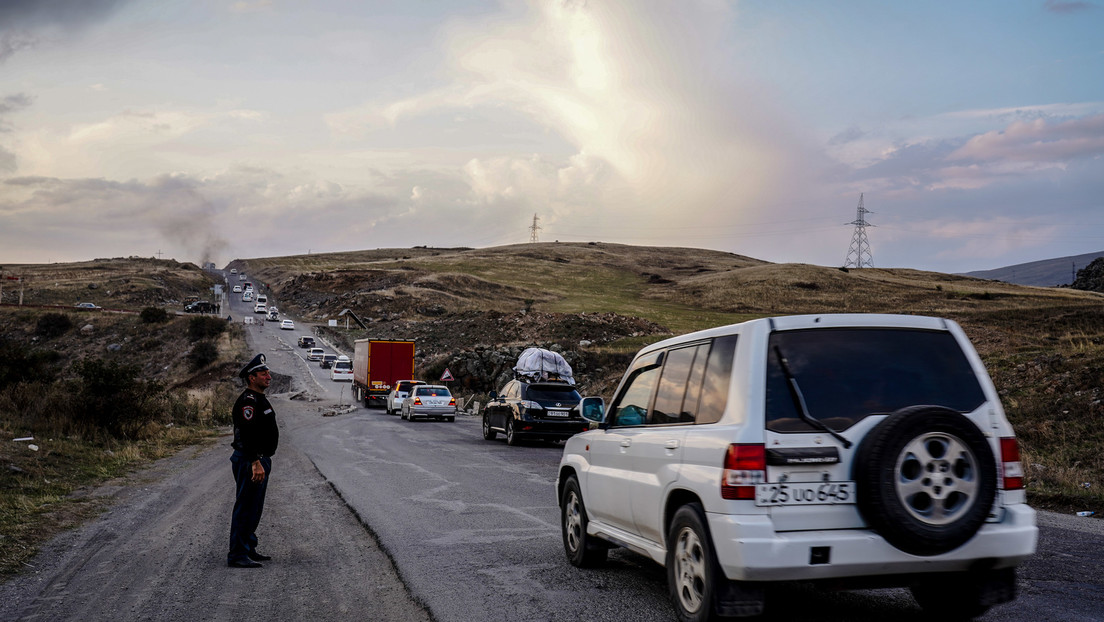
(273,314)
(201,306)
(241,277)
(429,400)
(287,325)
(315,354)
(247,295)
(342,370)
(87,305)
(237,289)
(306,342)
(259,308)
(233,270)
(262,298)
(400,392)
(327,361)
(377,365)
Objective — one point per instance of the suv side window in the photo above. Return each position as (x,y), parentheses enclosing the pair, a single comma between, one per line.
(670,405)
(718,376)
(631,406)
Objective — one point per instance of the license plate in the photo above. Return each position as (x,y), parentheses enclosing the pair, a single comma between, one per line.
(805,493)
(556,413)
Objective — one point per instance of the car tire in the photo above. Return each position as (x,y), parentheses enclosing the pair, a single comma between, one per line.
(926,479)
(583,550)
(488,433)
(512,439)
(693,573)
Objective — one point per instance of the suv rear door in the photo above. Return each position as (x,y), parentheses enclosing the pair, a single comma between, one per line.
(851,378)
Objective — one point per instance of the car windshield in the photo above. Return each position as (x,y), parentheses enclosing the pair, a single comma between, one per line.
(343,365)
(552,393)
(848,374)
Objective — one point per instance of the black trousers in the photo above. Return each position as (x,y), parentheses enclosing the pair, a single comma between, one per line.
(248,506)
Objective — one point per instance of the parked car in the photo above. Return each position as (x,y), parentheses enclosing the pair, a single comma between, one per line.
(853,449)
(315,354)
(306,341)
(534,410)
(399,392)
(88,305)
(327,361)
(287,325)
(201,306)
(429,400)
(342,370)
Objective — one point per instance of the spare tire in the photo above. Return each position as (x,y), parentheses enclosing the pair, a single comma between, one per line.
(926,479)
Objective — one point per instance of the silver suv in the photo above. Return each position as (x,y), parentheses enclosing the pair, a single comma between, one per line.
(842,448)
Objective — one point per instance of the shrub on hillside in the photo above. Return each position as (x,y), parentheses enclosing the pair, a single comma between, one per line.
(205,327)
(203,354)
(1091,277)
(114,399)
(154,315)
(52,325)
(20,364)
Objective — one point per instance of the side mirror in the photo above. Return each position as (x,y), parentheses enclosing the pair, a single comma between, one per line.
(593,408)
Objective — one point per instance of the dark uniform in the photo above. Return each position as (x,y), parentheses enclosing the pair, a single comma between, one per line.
(255,438)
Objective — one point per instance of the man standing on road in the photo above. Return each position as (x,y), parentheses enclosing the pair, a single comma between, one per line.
(255,440)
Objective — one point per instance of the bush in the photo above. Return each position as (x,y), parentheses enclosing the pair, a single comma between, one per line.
(52,325)
(18,364)
(203,354)
(154,315)
(114,399)
(205,327)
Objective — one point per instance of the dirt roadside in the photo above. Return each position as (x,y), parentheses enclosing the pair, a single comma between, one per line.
(159,551)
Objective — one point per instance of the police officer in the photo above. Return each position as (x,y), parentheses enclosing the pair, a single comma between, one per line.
(255,440)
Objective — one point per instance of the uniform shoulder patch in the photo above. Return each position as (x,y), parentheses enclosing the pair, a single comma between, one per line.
(247,412)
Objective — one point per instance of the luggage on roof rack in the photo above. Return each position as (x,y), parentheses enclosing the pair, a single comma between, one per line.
(536,364)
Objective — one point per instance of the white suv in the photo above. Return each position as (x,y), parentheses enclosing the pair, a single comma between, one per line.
(842,448)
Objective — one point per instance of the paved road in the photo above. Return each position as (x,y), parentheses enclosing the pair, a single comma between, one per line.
(471,527)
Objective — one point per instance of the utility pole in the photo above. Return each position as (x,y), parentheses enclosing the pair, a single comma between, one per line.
(859,254)
(533,229)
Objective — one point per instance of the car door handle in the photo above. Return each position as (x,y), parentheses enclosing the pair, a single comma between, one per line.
(626,442)
(671,444)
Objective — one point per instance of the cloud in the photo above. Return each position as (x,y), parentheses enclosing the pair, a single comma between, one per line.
(23,21)
(1061,6)
(1038,142)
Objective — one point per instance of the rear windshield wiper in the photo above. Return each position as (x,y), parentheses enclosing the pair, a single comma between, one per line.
(799,402)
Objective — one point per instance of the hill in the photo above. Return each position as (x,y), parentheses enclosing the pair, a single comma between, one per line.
(1044,273)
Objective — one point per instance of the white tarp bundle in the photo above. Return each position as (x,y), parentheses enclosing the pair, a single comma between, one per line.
(541,364)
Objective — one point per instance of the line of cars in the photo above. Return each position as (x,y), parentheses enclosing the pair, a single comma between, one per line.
(341,368)
(840,450)
(414,399)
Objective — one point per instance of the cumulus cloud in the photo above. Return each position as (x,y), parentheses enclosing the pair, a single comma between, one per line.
(653,132)
(1041,142)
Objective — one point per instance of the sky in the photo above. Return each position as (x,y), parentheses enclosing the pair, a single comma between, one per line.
(209,130)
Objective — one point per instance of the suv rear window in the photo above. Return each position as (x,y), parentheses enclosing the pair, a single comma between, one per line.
(848,374)
(544,393)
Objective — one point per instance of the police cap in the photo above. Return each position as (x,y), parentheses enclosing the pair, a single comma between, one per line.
(256,365)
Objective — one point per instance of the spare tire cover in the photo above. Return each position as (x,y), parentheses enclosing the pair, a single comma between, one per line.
(926,479)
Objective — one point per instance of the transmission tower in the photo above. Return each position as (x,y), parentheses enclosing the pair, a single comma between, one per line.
(533,229)
(859,255)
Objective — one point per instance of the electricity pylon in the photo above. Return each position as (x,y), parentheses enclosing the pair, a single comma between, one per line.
(859,255)
(533,229)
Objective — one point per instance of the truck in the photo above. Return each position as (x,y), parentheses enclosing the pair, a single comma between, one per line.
(377,365)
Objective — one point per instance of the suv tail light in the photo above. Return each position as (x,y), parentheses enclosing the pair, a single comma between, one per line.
(452,401)
(1011,467)
(745,466)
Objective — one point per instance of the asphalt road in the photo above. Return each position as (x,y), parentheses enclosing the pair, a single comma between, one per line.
(373,518)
